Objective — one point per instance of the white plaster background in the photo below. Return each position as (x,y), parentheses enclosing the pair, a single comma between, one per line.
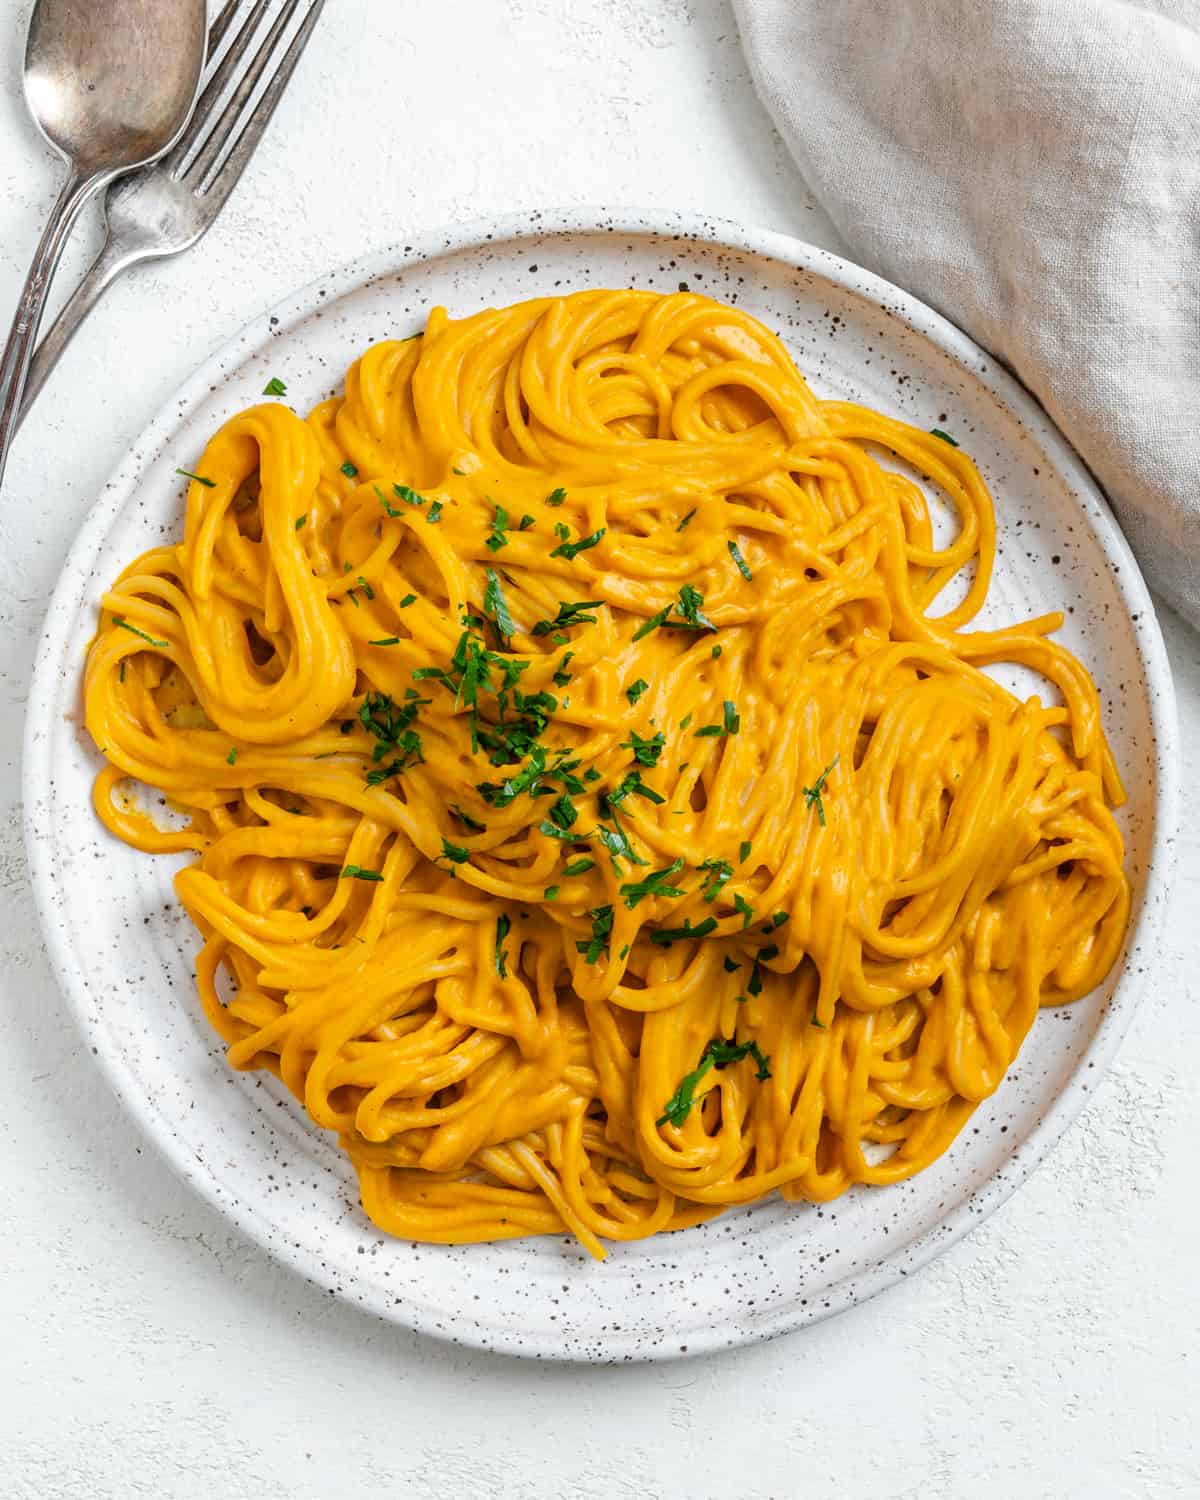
(148,1351)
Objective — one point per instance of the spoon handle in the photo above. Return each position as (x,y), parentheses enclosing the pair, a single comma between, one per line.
(14,362)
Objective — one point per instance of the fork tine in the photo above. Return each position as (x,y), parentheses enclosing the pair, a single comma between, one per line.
(242,136)
(216,32)
(253,12)
(224,129)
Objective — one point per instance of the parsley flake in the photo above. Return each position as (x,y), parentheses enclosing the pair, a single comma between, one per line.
(503,928)
(665,935)
(133,629)
(736,553)
(593,947)
(654,884)
(455,853)
(812,794)
(568,615)
(571,550)
(199,478)
(499,533)
(495,607)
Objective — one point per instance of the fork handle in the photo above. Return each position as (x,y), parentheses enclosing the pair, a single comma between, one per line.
(115,258)
(14,362)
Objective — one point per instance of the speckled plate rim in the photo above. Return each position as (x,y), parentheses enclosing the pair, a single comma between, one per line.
(56,643)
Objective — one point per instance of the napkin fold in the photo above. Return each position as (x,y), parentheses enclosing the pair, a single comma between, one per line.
(1031,168)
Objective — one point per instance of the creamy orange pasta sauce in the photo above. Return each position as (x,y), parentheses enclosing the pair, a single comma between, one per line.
(595,822)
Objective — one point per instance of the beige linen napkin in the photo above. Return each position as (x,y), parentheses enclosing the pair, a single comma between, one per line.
(1032,169)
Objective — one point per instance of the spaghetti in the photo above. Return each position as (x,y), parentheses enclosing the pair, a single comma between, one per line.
(593,823)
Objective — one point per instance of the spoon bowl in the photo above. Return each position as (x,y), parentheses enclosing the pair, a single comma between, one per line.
(110,84)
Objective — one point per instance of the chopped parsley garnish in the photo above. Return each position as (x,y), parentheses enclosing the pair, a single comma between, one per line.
(812,794)
(719,1053)
(302,521)
(645,751)
(562,676)
(385,640)
(631,784)
(730,724)
(133,629)
(579,866)
(232,756)
(813,1021)
(568,615)
(635,689)
(665,935)
(499,533)
(778,918)
(556,497)
(349,470)
(410,497)
(593,947)
(365,586)
(689,607)
(686,521)
(199,478)
(731,965)
(496,609)
(655,884)
(473,825)
(571,550)
(690,600)
(526,522)
(274,387)
(744,851)
(616,841)
(652,623)
(526,780)
(754,986)
(503,928)
(945,436)
(389,508)
(716,652)
(566,835)
(356,872)
(455,853)
(434,514)
(742,905)
(549,893)
(391,725)
(721,870)
(736,553)
(406,601)
(563,812)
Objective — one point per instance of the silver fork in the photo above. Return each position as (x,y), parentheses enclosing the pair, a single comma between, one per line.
(165,208)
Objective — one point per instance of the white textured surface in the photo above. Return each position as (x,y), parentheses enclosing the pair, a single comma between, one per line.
(147,1350)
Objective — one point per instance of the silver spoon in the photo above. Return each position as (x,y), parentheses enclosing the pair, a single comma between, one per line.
(110,84)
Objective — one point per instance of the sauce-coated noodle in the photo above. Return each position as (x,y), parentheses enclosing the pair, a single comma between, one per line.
(594,825)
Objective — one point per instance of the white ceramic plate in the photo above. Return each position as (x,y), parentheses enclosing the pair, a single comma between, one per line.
(123,951)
